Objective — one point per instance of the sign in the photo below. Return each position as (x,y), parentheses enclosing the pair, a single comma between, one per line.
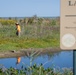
(68,25)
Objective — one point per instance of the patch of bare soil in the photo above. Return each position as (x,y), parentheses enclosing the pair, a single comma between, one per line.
(26,52)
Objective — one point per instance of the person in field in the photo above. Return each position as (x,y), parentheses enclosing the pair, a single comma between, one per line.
(18,28)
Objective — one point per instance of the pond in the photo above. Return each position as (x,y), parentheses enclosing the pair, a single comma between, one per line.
(59,59)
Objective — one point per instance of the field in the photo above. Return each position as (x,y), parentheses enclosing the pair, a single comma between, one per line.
(35,33)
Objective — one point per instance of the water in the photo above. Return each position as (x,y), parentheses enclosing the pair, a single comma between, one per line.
(62,59)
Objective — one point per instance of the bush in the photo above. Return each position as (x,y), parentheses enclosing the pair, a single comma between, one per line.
(33,70)
(53,22)
(7,22)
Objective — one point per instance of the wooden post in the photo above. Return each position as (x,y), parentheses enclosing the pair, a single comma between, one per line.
(74,62)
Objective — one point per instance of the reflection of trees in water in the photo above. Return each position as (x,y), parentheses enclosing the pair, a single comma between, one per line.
(44,58)
(36,54)
(50,55)
(33,55)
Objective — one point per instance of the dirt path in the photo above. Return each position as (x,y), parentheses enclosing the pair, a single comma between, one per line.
(24,52)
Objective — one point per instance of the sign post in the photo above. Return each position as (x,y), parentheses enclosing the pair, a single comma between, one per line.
(68,28)
(74,62)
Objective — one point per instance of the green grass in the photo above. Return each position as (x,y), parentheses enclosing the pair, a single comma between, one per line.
(32,36)
(20,43)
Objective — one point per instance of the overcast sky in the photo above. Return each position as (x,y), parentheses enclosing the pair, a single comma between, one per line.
(28,8)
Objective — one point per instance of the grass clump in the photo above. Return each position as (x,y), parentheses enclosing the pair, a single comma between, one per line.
(19,43)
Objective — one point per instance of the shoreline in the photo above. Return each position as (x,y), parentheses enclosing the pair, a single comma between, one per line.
(26,52)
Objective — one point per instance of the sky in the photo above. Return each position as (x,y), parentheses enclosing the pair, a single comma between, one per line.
(29,8)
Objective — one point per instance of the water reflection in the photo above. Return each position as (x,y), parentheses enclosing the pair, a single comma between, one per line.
(18,60)
(58,59)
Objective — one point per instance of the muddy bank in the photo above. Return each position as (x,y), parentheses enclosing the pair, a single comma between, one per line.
(27,52)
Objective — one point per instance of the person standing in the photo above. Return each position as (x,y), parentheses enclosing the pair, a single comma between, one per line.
(18,28)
